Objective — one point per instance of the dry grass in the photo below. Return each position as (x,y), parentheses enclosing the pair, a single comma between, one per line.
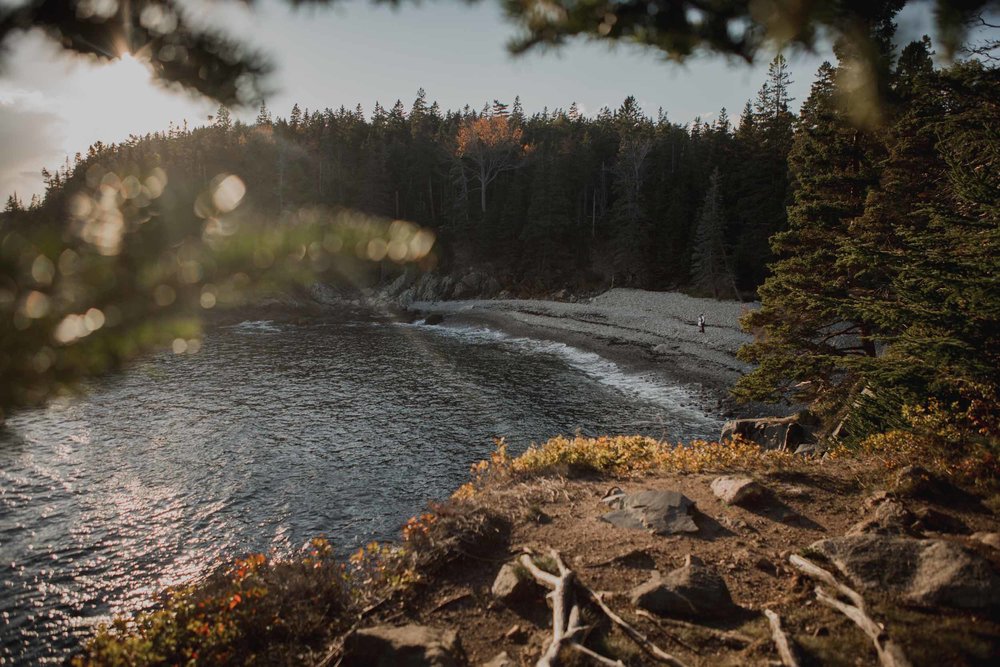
(620,456)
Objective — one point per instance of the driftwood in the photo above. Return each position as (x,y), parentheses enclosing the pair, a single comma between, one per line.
(566,628)
(781,640)
(565,613)
(889,653)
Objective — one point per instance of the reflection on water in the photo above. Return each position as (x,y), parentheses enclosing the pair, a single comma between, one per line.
(272,434)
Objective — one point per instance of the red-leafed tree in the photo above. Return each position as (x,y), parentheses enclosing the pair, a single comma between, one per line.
(489,146)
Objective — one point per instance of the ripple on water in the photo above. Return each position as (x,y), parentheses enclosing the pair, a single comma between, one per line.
(272,434)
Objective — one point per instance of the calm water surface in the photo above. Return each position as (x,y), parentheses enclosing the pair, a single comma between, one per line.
(274,433)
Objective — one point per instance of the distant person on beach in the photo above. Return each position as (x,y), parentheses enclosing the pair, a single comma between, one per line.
(701,323)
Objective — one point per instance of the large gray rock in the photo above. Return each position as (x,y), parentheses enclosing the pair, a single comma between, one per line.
(405,646)
(784,433)
(663,512)
(513,585)
(739,491)
(693,590)
(923,572)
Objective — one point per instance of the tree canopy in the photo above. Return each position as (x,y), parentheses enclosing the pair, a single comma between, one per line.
(220,66)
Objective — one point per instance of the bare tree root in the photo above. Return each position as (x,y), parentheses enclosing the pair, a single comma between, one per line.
(781,640)
(889,653)
(566,614)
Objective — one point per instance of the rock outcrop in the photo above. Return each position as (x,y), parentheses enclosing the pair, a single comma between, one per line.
(663,512)
(739,491)
(406,646)
(514,586)
(921,572)
(693,590)
(782,433)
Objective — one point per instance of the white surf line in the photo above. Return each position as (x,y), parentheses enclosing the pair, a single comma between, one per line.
(681,402)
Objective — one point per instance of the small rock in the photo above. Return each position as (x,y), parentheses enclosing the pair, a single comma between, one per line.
(738,490)
(693,590)
(924,572)
(733,523)
(663,512)
(513,585)
(876,499)
(406,646)
(796,492)
(989,539)
(500,660)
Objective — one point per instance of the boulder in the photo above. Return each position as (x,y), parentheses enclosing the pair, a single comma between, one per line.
(739,491)
(663,512)
(784,433)
(445,288)
(915,482)
(490,288)
(406,646)
(434,319)
(922,572)
(513,585)
(400,284)
(693,590)
(427,288)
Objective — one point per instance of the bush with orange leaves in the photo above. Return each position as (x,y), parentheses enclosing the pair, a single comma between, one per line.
(619,456)
(254,610)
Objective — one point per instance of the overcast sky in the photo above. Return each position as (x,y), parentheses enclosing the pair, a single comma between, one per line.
(52,105)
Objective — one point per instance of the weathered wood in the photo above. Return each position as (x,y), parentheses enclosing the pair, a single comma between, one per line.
(785,651)
(633,634)
(889,653)
(566,627)
(565,614)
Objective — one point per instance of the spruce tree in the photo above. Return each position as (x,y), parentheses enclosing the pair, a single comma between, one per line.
(710,272)
(807,331)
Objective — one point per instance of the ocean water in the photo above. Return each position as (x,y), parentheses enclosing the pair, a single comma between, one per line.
(273,433)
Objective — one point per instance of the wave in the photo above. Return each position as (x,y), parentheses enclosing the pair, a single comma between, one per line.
(647,387)
(265,326)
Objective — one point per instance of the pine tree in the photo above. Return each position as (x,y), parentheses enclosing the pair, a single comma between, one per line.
(808,330)
(710,271)
(263,116)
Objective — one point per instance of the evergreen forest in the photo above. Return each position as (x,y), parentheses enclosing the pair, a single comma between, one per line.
(870,239)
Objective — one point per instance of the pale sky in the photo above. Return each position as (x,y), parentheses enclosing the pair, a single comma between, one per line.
(53,105)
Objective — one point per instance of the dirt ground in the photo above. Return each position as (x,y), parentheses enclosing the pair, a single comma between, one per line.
(748,548)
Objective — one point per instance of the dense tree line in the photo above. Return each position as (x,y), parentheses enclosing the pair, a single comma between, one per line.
(871,245)
(884,298)
(547,200)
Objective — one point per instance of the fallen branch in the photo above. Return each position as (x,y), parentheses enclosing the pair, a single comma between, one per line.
(730,638)
(566,627)
(889,653)
(633,634)
(659,624)
(565,614)
(785,651)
